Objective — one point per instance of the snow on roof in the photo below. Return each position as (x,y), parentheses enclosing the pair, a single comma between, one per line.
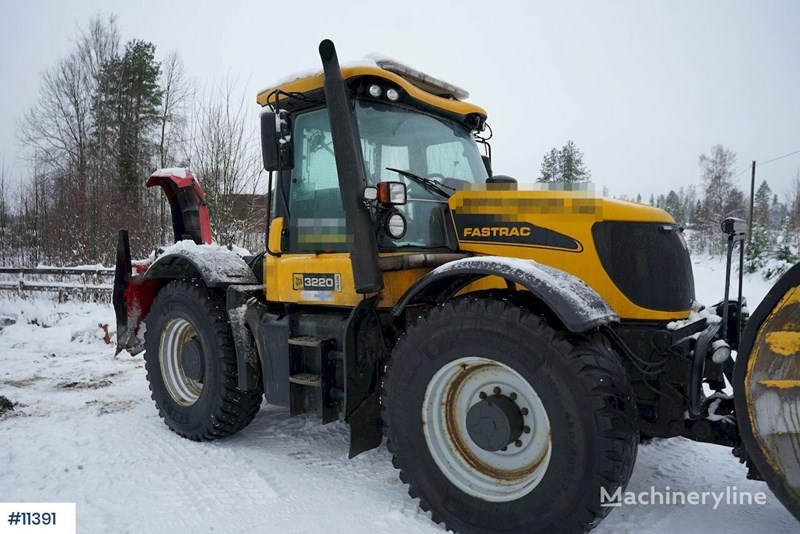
(308,73)
(424,81)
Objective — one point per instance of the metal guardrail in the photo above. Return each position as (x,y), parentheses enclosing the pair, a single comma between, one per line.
(21,284)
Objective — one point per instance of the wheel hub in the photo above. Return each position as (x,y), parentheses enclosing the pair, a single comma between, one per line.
(486,429)
(494,423)
(192,360)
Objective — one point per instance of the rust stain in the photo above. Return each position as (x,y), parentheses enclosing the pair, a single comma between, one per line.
(463,449)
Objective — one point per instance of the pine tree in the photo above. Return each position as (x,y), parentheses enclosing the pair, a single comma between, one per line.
(127,106)
(565,165)
(672,204)
(551,167)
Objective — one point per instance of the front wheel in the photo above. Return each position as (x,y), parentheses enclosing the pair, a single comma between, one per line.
(191,365)
(501,423)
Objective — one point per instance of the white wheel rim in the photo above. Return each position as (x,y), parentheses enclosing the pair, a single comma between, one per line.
(183,390)
(495,476)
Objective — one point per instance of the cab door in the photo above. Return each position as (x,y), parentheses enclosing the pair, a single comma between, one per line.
(314,267)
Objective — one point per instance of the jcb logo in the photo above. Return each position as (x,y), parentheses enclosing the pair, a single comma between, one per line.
(297,281)
(316,282)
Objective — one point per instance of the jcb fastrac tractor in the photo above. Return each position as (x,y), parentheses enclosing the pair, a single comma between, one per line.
(510,344)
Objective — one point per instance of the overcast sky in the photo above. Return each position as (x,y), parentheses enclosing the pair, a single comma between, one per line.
(641,87)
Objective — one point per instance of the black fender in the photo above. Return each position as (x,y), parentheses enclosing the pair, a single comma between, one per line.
(579,307)
(217,266)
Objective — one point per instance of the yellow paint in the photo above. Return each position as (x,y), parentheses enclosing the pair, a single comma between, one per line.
(275,231)
(279,282)
(311,83)
(572,213)
(784,342)
(780,384)
(792,296)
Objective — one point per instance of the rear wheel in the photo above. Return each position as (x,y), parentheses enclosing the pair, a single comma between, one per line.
(500,423)
(191,365)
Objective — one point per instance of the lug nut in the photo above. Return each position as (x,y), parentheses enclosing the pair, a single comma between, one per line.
(513,396)
(482,395)
(518,443)
(497,390)
(504,449)
(526,429)
(524,411)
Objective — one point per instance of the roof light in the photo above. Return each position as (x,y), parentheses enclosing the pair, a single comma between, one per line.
(424,81)
(375,90)
(392,94)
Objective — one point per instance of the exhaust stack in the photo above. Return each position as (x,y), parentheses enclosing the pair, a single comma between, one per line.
(352,178)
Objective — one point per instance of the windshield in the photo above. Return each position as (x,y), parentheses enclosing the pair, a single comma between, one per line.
(393,137)
(425,145)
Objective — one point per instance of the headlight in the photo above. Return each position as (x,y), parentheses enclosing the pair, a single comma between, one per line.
(395,225)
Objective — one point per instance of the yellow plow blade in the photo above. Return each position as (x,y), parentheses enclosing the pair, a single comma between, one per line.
(767,385)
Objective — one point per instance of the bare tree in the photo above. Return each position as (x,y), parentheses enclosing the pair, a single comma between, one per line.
(722,199)
(224,157)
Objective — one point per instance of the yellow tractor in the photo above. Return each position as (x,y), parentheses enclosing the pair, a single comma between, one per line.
(510,344)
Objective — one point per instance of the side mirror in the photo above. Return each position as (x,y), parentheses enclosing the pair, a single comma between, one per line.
(275,148)
(370,193)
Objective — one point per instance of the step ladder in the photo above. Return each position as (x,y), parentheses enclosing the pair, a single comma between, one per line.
(313,364)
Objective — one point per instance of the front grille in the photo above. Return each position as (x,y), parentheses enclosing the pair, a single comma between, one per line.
(648,262)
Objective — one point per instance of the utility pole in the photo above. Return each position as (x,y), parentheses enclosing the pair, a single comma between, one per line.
(752,199)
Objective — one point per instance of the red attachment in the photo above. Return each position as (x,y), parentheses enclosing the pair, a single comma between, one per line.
(139,295)
(176,183)
(107,336)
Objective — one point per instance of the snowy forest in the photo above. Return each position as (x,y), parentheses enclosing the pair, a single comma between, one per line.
(108,114)
(111,112)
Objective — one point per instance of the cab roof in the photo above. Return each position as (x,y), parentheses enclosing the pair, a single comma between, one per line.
(416,84)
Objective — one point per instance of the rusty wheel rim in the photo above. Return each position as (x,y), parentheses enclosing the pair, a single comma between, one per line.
(495,476)
(183,390)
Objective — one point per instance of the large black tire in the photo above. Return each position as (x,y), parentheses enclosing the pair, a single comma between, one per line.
(580,382)
(211,407)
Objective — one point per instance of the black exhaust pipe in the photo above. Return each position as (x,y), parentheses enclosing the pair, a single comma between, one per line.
(352,178)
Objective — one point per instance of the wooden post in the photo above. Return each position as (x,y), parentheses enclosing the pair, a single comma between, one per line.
(752,200)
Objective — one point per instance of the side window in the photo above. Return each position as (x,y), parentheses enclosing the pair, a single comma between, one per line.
(316,215)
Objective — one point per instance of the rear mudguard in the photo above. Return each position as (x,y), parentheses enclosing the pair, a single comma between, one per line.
(767,385)
(576,305)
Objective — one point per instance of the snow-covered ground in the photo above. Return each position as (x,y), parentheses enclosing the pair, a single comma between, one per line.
(85,430)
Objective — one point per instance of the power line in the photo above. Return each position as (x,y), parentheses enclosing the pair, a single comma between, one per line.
(779,157)
(768,161)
